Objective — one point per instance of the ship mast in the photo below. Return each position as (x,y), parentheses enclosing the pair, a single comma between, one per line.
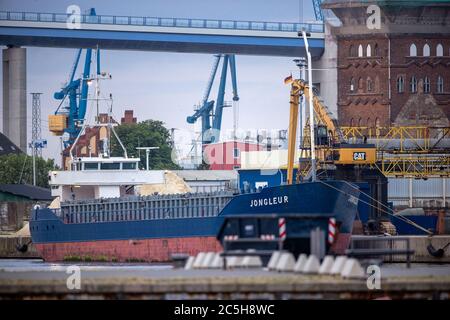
(99,76)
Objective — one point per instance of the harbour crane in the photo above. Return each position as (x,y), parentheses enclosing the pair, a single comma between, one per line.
(69,119)
(317,9)
(209,111)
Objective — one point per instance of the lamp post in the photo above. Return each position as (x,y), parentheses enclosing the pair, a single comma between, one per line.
(147,154)
(311,108)
(301,64)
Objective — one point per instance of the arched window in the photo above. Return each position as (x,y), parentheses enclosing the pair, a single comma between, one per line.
(426,85)
(376,50)
(440,84)
(368,122)
(413,50)
(400,84)
(376,86)
(360,84)
(369,84)
(413,84)
(377,122)
(426,50)
(352,85)
(351,51)
(351,122)
(360,51)
(439,50)
(369,50)
(360,122)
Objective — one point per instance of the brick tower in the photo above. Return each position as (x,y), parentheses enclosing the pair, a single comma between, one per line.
(396,73)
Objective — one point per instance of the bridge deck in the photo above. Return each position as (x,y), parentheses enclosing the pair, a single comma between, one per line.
(159,34)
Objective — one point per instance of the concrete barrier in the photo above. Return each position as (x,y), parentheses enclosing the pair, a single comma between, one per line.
(234,262)
(300,264)
(198,260)
(327,264)
(338,265)
(251,262)
(274,260)
(207,260)
(312,265)
(189,263)
(286,262)
(352,270)
(217,262)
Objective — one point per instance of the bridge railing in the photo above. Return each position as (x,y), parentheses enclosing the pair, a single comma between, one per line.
(163,22)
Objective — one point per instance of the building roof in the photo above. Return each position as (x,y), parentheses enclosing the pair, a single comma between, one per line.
(27,191)
(7,147)
(206,175)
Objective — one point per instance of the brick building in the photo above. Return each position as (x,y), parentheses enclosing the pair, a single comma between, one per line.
(398,74)
(90,142)
(128,117)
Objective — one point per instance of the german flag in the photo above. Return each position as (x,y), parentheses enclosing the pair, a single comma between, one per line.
(288,79)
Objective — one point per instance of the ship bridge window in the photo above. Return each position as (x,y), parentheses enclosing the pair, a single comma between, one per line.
(110,166)
(129,165)
(91,166)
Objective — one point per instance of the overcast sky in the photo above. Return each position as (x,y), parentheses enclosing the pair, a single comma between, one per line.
(166,86)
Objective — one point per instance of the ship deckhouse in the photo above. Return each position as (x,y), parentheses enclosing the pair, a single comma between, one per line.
(98,177)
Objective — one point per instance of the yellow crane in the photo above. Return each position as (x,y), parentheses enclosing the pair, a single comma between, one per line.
(329,140)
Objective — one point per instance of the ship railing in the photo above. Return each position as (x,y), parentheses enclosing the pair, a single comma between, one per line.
(144,213)
(57,212)
(161,22)
(381,246)
(154,197)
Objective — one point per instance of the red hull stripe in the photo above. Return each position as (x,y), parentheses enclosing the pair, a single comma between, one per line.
(148,250)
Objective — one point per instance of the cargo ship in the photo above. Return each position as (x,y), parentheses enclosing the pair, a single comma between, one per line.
(89,225)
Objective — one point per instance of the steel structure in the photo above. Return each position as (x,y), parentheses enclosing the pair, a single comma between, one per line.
(36,130)
(407,151)
(403,139)
(211,111)
(414,165)
(317,9)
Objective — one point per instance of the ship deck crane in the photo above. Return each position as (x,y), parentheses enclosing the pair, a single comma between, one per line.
(211,111)
(69,120)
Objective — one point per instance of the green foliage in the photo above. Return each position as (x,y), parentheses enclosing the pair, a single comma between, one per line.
(148,133)
(13,166)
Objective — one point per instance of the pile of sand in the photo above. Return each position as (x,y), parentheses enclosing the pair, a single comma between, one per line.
(24,232)
(56,204)
(172,184)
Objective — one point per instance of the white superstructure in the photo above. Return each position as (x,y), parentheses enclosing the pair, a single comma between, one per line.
(97,177)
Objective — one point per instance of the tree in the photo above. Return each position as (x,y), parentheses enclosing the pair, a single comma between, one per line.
(148,133)
(18,168)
